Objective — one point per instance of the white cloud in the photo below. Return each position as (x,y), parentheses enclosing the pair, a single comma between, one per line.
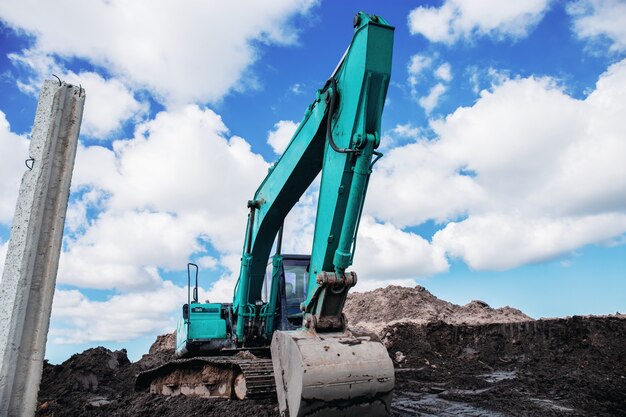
(109,104)
(41,65)
(465,19)
(386,253)
(161,196)
(399,135)
(13,153)
(480,78)
(297,88)
(600,19)
(182,52)
(498,241)
(76,218)
(444,72)
(421,183)
(123,250)
(407,131)
(525,174)
(430,101)
(300,223)
(207,262)
(123,317)
(417,64)
(278,138)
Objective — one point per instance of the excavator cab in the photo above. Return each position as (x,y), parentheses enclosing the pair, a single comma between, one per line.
(293,273)
(296,275)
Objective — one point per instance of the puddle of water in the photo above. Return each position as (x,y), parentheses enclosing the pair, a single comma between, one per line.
(552,405)
(430,405)
(497,376)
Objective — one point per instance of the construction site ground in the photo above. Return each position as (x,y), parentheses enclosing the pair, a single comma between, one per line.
(450,360)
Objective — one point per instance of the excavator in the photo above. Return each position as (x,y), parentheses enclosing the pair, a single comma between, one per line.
(284,333)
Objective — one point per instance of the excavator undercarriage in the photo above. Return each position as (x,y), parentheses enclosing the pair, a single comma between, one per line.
(241,376)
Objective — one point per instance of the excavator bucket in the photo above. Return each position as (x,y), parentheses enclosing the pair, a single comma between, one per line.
(331,374)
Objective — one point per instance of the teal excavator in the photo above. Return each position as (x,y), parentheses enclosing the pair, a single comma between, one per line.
(284,333)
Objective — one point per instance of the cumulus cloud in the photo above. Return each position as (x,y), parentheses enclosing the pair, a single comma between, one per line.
(110,102)
(278,138)
(417,64)
(462,19)
(420,71)
(480,78)
(527,166)
(498,241)
(181,52)
(600,19)
(161,198)
(386,253)
(297,89)
(407,131)
(444,72)
(430,101)
(13,153)
(122,250)
(77,319)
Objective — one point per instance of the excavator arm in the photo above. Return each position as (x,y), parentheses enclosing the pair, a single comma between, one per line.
(337,137)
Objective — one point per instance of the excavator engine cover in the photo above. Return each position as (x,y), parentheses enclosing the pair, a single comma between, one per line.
(331,374)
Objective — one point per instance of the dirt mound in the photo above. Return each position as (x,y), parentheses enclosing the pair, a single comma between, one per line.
(95,378)
(376,309)
(164,343)
(94,370)
(161,351)
(447,364)
(99,382)
(556,367)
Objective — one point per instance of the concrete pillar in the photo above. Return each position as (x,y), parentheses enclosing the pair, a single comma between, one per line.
(30,270)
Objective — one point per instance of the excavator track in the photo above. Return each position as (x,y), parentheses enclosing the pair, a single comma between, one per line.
(259,378)
(211,377)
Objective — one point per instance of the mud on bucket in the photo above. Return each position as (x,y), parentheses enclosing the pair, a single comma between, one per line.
(331,374)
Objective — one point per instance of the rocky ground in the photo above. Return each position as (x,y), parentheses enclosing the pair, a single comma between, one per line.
(450,360)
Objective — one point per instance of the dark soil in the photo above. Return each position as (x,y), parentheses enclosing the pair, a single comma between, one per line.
(99,382)
(559,367)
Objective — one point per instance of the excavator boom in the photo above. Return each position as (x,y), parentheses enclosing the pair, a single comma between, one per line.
(322,368)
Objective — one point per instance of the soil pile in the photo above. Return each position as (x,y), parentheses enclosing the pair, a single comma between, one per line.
(99,382)
(394,304)
(164,343)
(451,360)
(161,351)
(549,367)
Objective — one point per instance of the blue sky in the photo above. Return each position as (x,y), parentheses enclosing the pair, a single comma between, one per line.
(502,179)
